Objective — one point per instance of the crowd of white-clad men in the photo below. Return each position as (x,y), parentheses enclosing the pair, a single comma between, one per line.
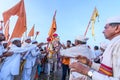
(18,60)
(21,60)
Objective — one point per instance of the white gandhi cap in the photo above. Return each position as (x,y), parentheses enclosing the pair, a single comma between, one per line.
(82,38)
(103,45)
(28,38)
(113,20)
(13,39)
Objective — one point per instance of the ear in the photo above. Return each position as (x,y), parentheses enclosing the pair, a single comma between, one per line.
(117,30)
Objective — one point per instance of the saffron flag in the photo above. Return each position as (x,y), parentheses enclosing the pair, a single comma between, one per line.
(31,33)
(19,10)
(53,26)
(6,30)
(93,18)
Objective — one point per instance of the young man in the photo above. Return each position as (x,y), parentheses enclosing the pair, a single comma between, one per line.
(65,62)
(109,69)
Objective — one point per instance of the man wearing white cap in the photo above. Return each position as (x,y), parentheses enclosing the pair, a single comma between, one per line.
(109,69)
(37,52)
(80,49)
(11,63)
(103,46)
(29,57)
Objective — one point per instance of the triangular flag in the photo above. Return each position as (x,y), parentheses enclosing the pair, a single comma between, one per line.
(53,26)
(31,33)
(19,10)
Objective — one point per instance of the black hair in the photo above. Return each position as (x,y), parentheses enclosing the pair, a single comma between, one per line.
(114,24)
(69,41)
(96,47)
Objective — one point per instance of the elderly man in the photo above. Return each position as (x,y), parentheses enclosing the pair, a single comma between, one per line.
(109,69)
(65,61)
(80,48)
(11,63)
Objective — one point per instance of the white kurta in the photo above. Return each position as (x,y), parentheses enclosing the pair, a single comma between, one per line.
(30,61)
(111,58)
(11,64)
(34,68)
(74,52)
(1,49)
(1,52)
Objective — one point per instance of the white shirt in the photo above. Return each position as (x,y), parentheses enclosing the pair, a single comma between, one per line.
(111,57)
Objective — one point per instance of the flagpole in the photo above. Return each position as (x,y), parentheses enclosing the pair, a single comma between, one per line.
(35,37)
(36,34)
(26,32)
(87,27)
(89,22)
(1,24)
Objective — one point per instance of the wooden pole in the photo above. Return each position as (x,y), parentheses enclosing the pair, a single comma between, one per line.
(1,22)
(87,28)
(36,36)
(37,33)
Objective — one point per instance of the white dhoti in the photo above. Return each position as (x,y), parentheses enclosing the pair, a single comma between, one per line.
(6,75)
(26,74)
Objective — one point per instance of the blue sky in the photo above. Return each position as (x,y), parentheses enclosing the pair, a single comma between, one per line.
(72,16)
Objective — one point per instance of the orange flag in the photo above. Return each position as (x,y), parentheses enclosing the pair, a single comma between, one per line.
(6,30)
(53,26)
(31,33)
(19,10)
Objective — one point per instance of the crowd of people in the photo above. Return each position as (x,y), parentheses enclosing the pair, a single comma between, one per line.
(24,59)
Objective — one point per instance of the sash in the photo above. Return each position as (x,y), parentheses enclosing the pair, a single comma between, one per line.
(104,69)
(106,66)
